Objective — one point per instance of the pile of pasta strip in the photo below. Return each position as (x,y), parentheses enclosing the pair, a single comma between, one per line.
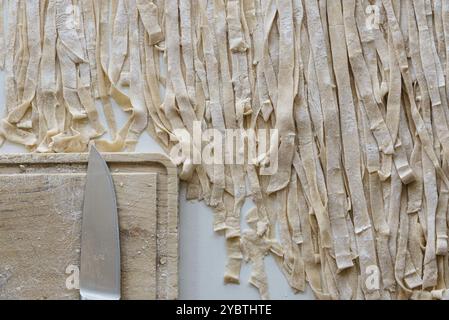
(356,89)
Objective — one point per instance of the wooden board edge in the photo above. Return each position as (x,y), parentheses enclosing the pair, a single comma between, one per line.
(29,158)
(173,247)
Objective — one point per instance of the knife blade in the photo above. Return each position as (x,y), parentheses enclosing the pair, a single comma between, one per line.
(100,243)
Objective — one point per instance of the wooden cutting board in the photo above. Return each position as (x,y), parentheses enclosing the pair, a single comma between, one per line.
(40,218)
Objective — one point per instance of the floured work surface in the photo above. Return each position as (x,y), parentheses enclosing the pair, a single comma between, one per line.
(40,213)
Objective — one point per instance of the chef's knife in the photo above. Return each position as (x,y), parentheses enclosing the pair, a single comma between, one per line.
(100,243)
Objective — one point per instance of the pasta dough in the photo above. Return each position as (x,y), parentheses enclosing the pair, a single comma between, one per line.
(357,91)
